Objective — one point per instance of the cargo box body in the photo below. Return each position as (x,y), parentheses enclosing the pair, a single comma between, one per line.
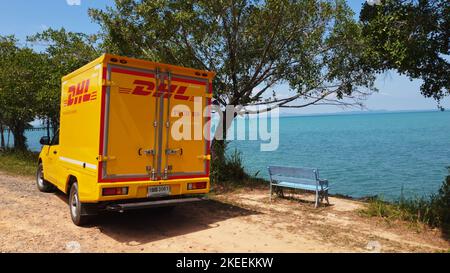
(117,115)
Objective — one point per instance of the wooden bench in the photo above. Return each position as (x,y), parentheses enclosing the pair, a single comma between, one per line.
(298,178)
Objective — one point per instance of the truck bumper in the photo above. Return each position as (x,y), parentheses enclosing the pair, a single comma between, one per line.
(121,207)
(139,190)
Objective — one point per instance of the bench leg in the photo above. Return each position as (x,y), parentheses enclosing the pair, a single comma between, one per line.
(280,192)
(326,197)
(270,192)
(317,199)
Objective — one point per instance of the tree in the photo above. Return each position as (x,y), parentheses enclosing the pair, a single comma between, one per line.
(20,78)
(65,52)
(314,46)
(7,46)
(2,128)
(412,37)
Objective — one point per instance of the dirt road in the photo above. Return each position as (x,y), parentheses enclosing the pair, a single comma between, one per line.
(243,221)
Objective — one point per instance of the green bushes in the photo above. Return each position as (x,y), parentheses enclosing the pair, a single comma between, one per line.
(228,174)
(227,168)
(433,211)
(18,162)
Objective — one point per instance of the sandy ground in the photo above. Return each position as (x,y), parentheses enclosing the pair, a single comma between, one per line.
(242,221)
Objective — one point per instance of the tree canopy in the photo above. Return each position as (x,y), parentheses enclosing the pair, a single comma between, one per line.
(412,37)
(20,78)
(65,52)
(30,81)
(313,46)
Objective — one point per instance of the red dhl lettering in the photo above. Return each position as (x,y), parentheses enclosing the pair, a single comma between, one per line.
(147,88)
(79,93)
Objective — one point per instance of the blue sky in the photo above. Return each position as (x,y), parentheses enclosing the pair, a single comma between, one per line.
(26,17)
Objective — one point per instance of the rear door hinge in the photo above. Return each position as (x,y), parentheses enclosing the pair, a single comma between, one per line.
(174,151)
(204,157)
(108,83)
(102,158)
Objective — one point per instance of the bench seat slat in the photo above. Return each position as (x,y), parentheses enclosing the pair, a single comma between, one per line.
(280,178)
(308,173)
(299,186)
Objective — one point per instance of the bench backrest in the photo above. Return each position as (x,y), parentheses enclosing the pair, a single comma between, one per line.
(294,175)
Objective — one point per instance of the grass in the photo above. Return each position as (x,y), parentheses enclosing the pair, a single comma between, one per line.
(19,163)
(246,183)
(229,175)
(383,209)
(433,211)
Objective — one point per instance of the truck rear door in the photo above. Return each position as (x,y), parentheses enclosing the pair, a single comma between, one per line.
(184,156)
(138,143)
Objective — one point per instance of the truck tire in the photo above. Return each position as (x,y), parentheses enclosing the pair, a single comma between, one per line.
(42,184)
(76,207)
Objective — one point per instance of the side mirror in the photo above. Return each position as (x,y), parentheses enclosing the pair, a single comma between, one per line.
(45,140)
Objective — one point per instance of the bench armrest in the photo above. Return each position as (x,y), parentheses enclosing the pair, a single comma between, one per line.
(323,182)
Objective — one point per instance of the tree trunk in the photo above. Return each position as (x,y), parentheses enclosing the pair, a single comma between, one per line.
(2,136)
(55,125)
(48,128)
(20,141)
(9,134)
(219,166)
(218,148)
(218,145)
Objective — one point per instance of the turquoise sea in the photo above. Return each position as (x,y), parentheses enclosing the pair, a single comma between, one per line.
(360,154)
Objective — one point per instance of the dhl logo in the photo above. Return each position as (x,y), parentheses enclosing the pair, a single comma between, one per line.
(80,94)
(147,88)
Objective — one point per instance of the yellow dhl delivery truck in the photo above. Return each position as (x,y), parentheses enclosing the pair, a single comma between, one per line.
(115,149)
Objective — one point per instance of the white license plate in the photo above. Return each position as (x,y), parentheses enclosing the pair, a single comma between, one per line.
(158,191)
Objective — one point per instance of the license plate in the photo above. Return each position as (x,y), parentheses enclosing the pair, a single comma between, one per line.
(158,191)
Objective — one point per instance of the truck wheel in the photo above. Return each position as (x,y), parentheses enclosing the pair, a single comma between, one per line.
(76,207)
(42,184)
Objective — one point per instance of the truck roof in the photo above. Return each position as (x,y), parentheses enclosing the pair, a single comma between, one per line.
(132,62)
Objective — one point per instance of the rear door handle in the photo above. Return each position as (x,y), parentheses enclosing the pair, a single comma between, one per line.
(55,152)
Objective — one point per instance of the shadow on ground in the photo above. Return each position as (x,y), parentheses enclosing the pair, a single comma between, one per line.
(300,196)
(147,225)
(144,226)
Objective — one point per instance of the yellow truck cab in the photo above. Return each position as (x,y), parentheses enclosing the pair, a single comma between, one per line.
(115,149)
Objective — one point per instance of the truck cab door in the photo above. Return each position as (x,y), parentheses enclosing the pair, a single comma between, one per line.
(51,168)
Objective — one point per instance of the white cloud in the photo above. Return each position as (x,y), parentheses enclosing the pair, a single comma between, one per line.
(73,2)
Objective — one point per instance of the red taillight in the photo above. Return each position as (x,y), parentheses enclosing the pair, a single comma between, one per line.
(197,186)
(115,191)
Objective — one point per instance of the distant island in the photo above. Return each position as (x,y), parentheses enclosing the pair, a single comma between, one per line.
(359,112)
